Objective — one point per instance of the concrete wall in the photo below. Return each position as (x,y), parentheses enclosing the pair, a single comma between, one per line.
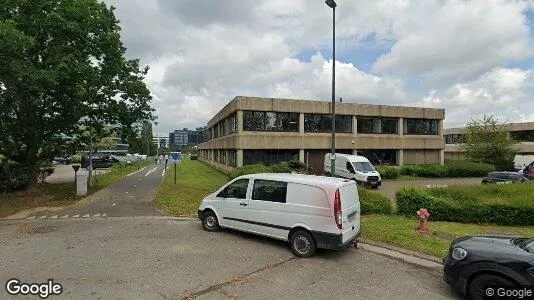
(416,157)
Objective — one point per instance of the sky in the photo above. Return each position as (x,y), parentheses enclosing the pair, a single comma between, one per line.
(470,57)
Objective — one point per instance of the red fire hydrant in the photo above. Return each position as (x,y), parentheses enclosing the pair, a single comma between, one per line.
(423,218)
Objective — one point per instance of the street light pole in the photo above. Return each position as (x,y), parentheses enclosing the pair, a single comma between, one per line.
(332,4)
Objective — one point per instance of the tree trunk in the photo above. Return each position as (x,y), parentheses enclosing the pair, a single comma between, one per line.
(32,170)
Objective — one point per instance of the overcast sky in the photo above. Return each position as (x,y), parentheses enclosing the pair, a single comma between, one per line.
(471,57)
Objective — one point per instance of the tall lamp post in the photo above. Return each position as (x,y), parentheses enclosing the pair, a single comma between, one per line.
(332,4)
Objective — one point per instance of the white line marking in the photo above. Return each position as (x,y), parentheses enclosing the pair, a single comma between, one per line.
(152,170)
(76,216)
(86,216)
(163,173)
(64,217)
(30,218)
(136,171)
(104,215)
(97,215)
(43,217)
(53,217)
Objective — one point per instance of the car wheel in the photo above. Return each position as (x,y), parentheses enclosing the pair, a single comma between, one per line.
(210,222)
(479,286)
(302,244)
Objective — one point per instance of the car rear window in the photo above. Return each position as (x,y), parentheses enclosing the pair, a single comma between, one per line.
(269,190)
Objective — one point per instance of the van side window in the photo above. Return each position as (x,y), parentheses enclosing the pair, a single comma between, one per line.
(236,189)
(269,190)
(350,168)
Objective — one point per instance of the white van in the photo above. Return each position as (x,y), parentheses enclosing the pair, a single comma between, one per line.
(355,167)
(308,211)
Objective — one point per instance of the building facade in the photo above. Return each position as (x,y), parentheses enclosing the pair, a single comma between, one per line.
(161,140)
(180,139)
(251,130)
(521,133)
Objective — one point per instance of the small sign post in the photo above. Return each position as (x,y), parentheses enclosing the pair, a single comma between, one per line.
(175,159)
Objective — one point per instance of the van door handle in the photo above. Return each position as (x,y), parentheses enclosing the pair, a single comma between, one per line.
(243,203)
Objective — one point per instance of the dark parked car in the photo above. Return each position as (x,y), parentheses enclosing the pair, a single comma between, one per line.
(475,263)
(99,161)
(61,160)
(503,177)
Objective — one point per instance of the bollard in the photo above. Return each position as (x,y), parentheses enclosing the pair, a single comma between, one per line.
(423,220)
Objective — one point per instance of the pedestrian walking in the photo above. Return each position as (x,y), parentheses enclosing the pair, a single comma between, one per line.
(160,159)
(166,160)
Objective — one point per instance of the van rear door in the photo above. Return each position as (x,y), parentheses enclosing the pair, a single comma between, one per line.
(350,210)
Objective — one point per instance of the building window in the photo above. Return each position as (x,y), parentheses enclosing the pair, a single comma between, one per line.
(269,190)
(323,123)
(377,125)
(522,136)
(421,126)
(454,138)
(270,121)
(232,123)
(269,157)
(380,156)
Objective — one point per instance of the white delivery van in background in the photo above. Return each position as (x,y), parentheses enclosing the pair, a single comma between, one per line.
(520,161)
(355,167)
(308,211)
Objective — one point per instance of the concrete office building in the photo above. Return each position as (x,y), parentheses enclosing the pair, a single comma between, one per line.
(521,133)
(180,139)
(251,130)
(160,140)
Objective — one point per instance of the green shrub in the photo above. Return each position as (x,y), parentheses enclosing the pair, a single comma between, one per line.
(249,169)
(486,204)
(285,167)
(388,172)
(451,169)
(193,157)
(374,203)
(12,176)
(76,159)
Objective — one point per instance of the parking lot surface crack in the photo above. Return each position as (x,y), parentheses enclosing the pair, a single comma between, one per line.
(236,279)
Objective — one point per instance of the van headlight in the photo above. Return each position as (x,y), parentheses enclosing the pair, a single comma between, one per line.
(458,253)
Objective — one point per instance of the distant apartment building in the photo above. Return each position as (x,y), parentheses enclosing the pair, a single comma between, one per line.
(251,130)
(180,139)
(161,140)
(521,133)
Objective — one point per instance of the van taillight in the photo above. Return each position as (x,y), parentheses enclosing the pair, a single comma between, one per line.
(337,209)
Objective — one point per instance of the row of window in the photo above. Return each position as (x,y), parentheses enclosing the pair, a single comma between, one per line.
(289,122)
(263,190)
(454,138)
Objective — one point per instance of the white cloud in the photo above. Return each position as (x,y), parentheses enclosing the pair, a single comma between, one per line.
(455,39)
(500,92)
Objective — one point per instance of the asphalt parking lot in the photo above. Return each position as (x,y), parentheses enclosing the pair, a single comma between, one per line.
(156,258)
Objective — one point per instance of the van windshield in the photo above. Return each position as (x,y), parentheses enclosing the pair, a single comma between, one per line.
(363,166)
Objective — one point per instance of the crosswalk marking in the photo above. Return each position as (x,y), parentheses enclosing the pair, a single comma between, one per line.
(53,217)
(64,217)
(86,216)
(97,215)
(76,216)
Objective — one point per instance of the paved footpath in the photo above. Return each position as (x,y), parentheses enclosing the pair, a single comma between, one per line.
(131,196)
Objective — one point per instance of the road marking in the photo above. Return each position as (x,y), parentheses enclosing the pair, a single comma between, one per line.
(86,216)
(64,217)
(151,171)
(30,218)
(104,215)
(76,216)
(136,171)
(43,217)
(97,215)
(53,217)
(163,173)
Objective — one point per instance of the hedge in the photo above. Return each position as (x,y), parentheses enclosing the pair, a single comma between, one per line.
(12,176)
(285,167)
(451,169)
(388,172)
(496,204)
(374,203)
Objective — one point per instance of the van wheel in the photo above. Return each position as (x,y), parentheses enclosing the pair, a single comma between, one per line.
(210,222)
(302,244)
(477,287)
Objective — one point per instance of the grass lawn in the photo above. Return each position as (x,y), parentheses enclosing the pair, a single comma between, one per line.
(195,181)
(400,231)
(60,194)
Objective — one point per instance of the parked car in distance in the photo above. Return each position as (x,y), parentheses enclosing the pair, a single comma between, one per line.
(99,161)
(503,177)
(307,211)
(475,263)
(355,167)
(58,160)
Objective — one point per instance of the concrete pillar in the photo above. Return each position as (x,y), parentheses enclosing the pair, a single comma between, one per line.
(354,152)
(301,123)
(400,157)
(440,128)
(354,125)
(301,156)
(239,162)
(441,157)
(239,121)
(401,126)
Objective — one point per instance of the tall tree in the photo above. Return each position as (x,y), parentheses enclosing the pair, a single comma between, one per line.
(486,140)
(62,65)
